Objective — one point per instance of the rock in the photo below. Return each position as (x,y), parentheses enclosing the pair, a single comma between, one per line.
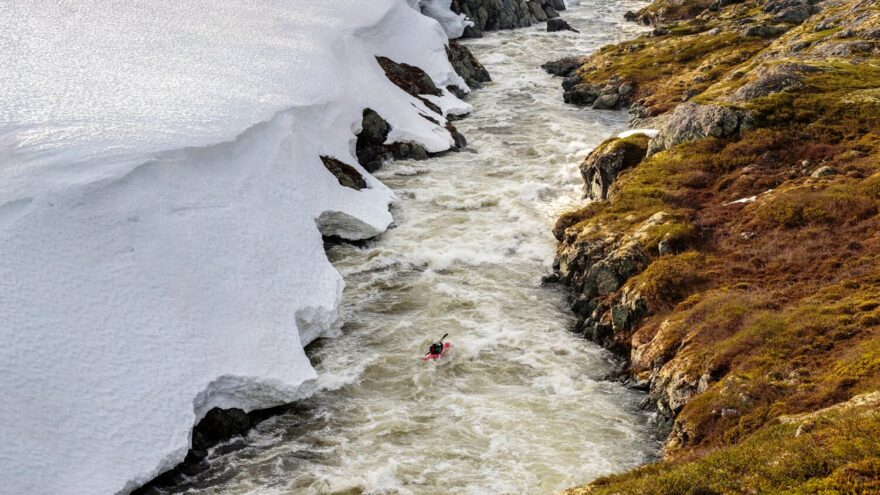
(491,15)
(845,49)
(570,82)
(804,428)
(773,79)
(602,166)
(690,122)
(620,318)
(564,67)
(606,101)
(825,171)
(347,175)
(557,24)
(370,147)
(466,65)
(796,14)
(550,12)
(625,89)
(409,78)
(664,247)
(581,94)
(764,31)
(630,16)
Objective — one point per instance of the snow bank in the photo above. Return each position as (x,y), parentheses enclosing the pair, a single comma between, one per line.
(651,133)
(453,24)
(159,194)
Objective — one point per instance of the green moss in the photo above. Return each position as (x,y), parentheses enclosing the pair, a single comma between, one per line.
(838,450)
(670,279)
(804,205)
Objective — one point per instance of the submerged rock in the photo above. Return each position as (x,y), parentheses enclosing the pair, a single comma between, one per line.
(554,25)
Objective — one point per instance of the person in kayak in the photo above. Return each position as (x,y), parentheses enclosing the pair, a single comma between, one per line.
(436,347)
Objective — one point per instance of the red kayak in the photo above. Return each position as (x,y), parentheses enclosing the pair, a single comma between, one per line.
(431,357)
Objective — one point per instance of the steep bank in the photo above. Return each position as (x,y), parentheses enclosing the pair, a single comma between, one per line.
(168,176)
(733,257)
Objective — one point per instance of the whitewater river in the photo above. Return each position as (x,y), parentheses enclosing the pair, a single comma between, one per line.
(520,405)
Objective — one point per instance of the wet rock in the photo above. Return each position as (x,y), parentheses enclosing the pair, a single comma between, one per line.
(491,15)
(557,24)
(466,65)
(582,95)
(564,67)
(570,82)
(690,122)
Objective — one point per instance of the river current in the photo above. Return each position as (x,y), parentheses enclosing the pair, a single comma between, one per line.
(520,404)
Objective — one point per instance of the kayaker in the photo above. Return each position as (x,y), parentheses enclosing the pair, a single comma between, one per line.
(437,347)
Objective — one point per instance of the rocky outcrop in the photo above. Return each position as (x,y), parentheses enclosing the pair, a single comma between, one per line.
(690,122)
(774,79)
(492,15)
(601,167)
(467,66)
(411,79)
(611,95)
(371,149)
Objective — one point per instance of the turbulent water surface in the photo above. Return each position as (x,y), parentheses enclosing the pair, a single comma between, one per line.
(519,406)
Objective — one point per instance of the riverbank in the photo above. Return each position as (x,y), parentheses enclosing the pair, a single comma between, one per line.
(732,259)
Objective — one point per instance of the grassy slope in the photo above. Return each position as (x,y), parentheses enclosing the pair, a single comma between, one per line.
(777,301)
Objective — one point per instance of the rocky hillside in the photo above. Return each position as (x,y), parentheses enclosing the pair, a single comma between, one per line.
(491,15)
(734,258)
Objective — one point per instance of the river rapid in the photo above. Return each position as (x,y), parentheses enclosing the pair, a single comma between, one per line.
(520,404)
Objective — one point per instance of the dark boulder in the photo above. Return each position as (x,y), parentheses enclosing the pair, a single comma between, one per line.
(347,175)
(492,15)
(602,166)
(466,65)
(564,67)
(558,24)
